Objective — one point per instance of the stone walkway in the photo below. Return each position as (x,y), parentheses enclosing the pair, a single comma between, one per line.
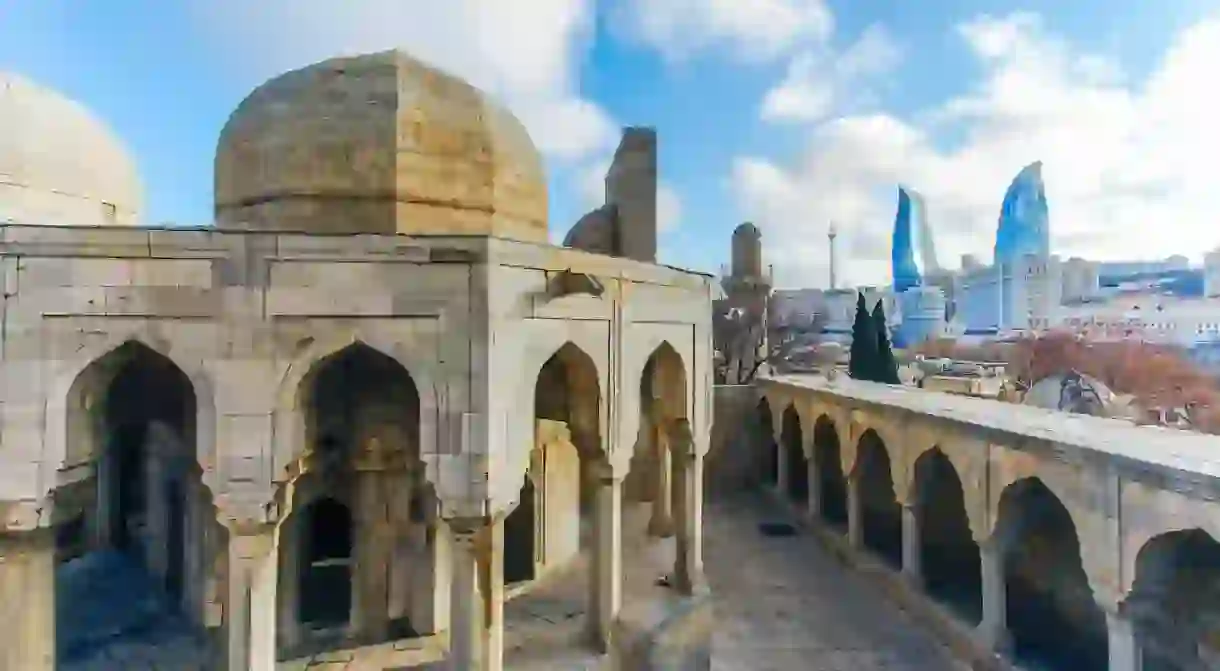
(786,604)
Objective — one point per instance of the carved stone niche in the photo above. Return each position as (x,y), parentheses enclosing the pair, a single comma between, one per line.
(568,283)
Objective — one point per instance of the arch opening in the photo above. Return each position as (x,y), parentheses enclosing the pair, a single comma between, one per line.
(768,454)
(1053,619)
(566,468)
(142,539)
(949,555)
(360,495)
(1174,602)
(881,514)
(798,465)
(651,502)
(832,484)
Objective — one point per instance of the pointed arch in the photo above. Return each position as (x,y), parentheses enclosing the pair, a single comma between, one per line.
(66,398)
(665,375)
(1052,612)
(291,401)
(573,371)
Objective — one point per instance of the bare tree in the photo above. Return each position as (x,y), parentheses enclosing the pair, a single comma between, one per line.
(739,335)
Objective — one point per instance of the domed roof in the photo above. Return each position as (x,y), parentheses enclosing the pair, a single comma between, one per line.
(59,165)
(1071,392)
(379,143)
(747,228)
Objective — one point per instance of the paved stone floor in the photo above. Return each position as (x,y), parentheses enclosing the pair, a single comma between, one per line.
(786,604)
(111,617)
(782,604)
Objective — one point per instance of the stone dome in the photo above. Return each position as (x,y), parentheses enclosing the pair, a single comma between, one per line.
(379,143)
(60,165)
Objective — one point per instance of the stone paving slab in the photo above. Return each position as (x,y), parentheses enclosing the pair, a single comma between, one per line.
(114,619)
(787,604)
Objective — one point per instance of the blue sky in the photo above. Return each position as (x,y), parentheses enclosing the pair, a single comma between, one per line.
(925,101)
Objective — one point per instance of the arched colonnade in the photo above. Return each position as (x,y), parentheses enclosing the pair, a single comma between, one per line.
(993,537)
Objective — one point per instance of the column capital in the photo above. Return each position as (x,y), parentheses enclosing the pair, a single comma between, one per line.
(241,511)
(466,531)
(251,541)
(604,473)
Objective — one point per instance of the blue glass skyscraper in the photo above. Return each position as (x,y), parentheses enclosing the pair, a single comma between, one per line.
(1024,226)
(913,254)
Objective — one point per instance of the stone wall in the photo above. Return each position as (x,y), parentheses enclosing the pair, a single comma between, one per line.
(730,465)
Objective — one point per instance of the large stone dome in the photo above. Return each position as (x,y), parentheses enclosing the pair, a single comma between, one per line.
(59,165)
(380,143)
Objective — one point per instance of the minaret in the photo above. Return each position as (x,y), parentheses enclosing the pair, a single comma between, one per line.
(832,234)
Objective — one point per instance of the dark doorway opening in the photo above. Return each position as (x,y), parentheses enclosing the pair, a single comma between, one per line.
(519,538)
(326,578)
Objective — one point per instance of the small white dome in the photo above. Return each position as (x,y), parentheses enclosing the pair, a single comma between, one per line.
(59,165)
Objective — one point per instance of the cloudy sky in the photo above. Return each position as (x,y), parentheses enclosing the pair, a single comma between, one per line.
(789,113)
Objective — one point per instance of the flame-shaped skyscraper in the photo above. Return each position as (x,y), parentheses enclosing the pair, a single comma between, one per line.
(1024,218)
(913,253)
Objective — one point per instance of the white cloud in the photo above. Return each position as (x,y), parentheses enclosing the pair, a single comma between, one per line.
(527,53)
(754,31)
(1128,165)
(818,81)
(591,189)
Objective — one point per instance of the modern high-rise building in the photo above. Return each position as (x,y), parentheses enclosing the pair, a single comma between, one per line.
(914,252)
(1023,287)
(1024,226)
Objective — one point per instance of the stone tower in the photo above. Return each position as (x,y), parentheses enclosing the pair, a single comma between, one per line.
(747,288)
(626,225)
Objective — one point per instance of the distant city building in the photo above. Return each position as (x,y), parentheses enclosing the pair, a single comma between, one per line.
(1081,280)
(923,315)
(1211,274)
(797,306)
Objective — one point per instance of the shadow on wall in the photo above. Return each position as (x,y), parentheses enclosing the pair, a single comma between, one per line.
(730,465)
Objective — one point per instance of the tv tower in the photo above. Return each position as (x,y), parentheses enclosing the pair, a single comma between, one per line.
(832,234)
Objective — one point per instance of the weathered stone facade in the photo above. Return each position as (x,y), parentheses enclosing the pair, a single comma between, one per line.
(1084,541)
(313,430)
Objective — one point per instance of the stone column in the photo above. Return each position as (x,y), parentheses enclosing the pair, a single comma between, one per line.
(605,582)
(194,556)
(912,570)
(107,508)
(662,522)
(434,582)
(855,514)
(289,623)
(491,589)
(370,577)
(815,484)
(250,615)
(1125,652)
(155,539)
(465,648)
(992,631)
(407,550)
(782,465)
(27,600)
(689,577)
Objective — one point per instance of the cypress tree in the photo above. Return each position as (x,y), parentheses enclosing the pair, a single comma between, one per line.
(863,362)
(887,367)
